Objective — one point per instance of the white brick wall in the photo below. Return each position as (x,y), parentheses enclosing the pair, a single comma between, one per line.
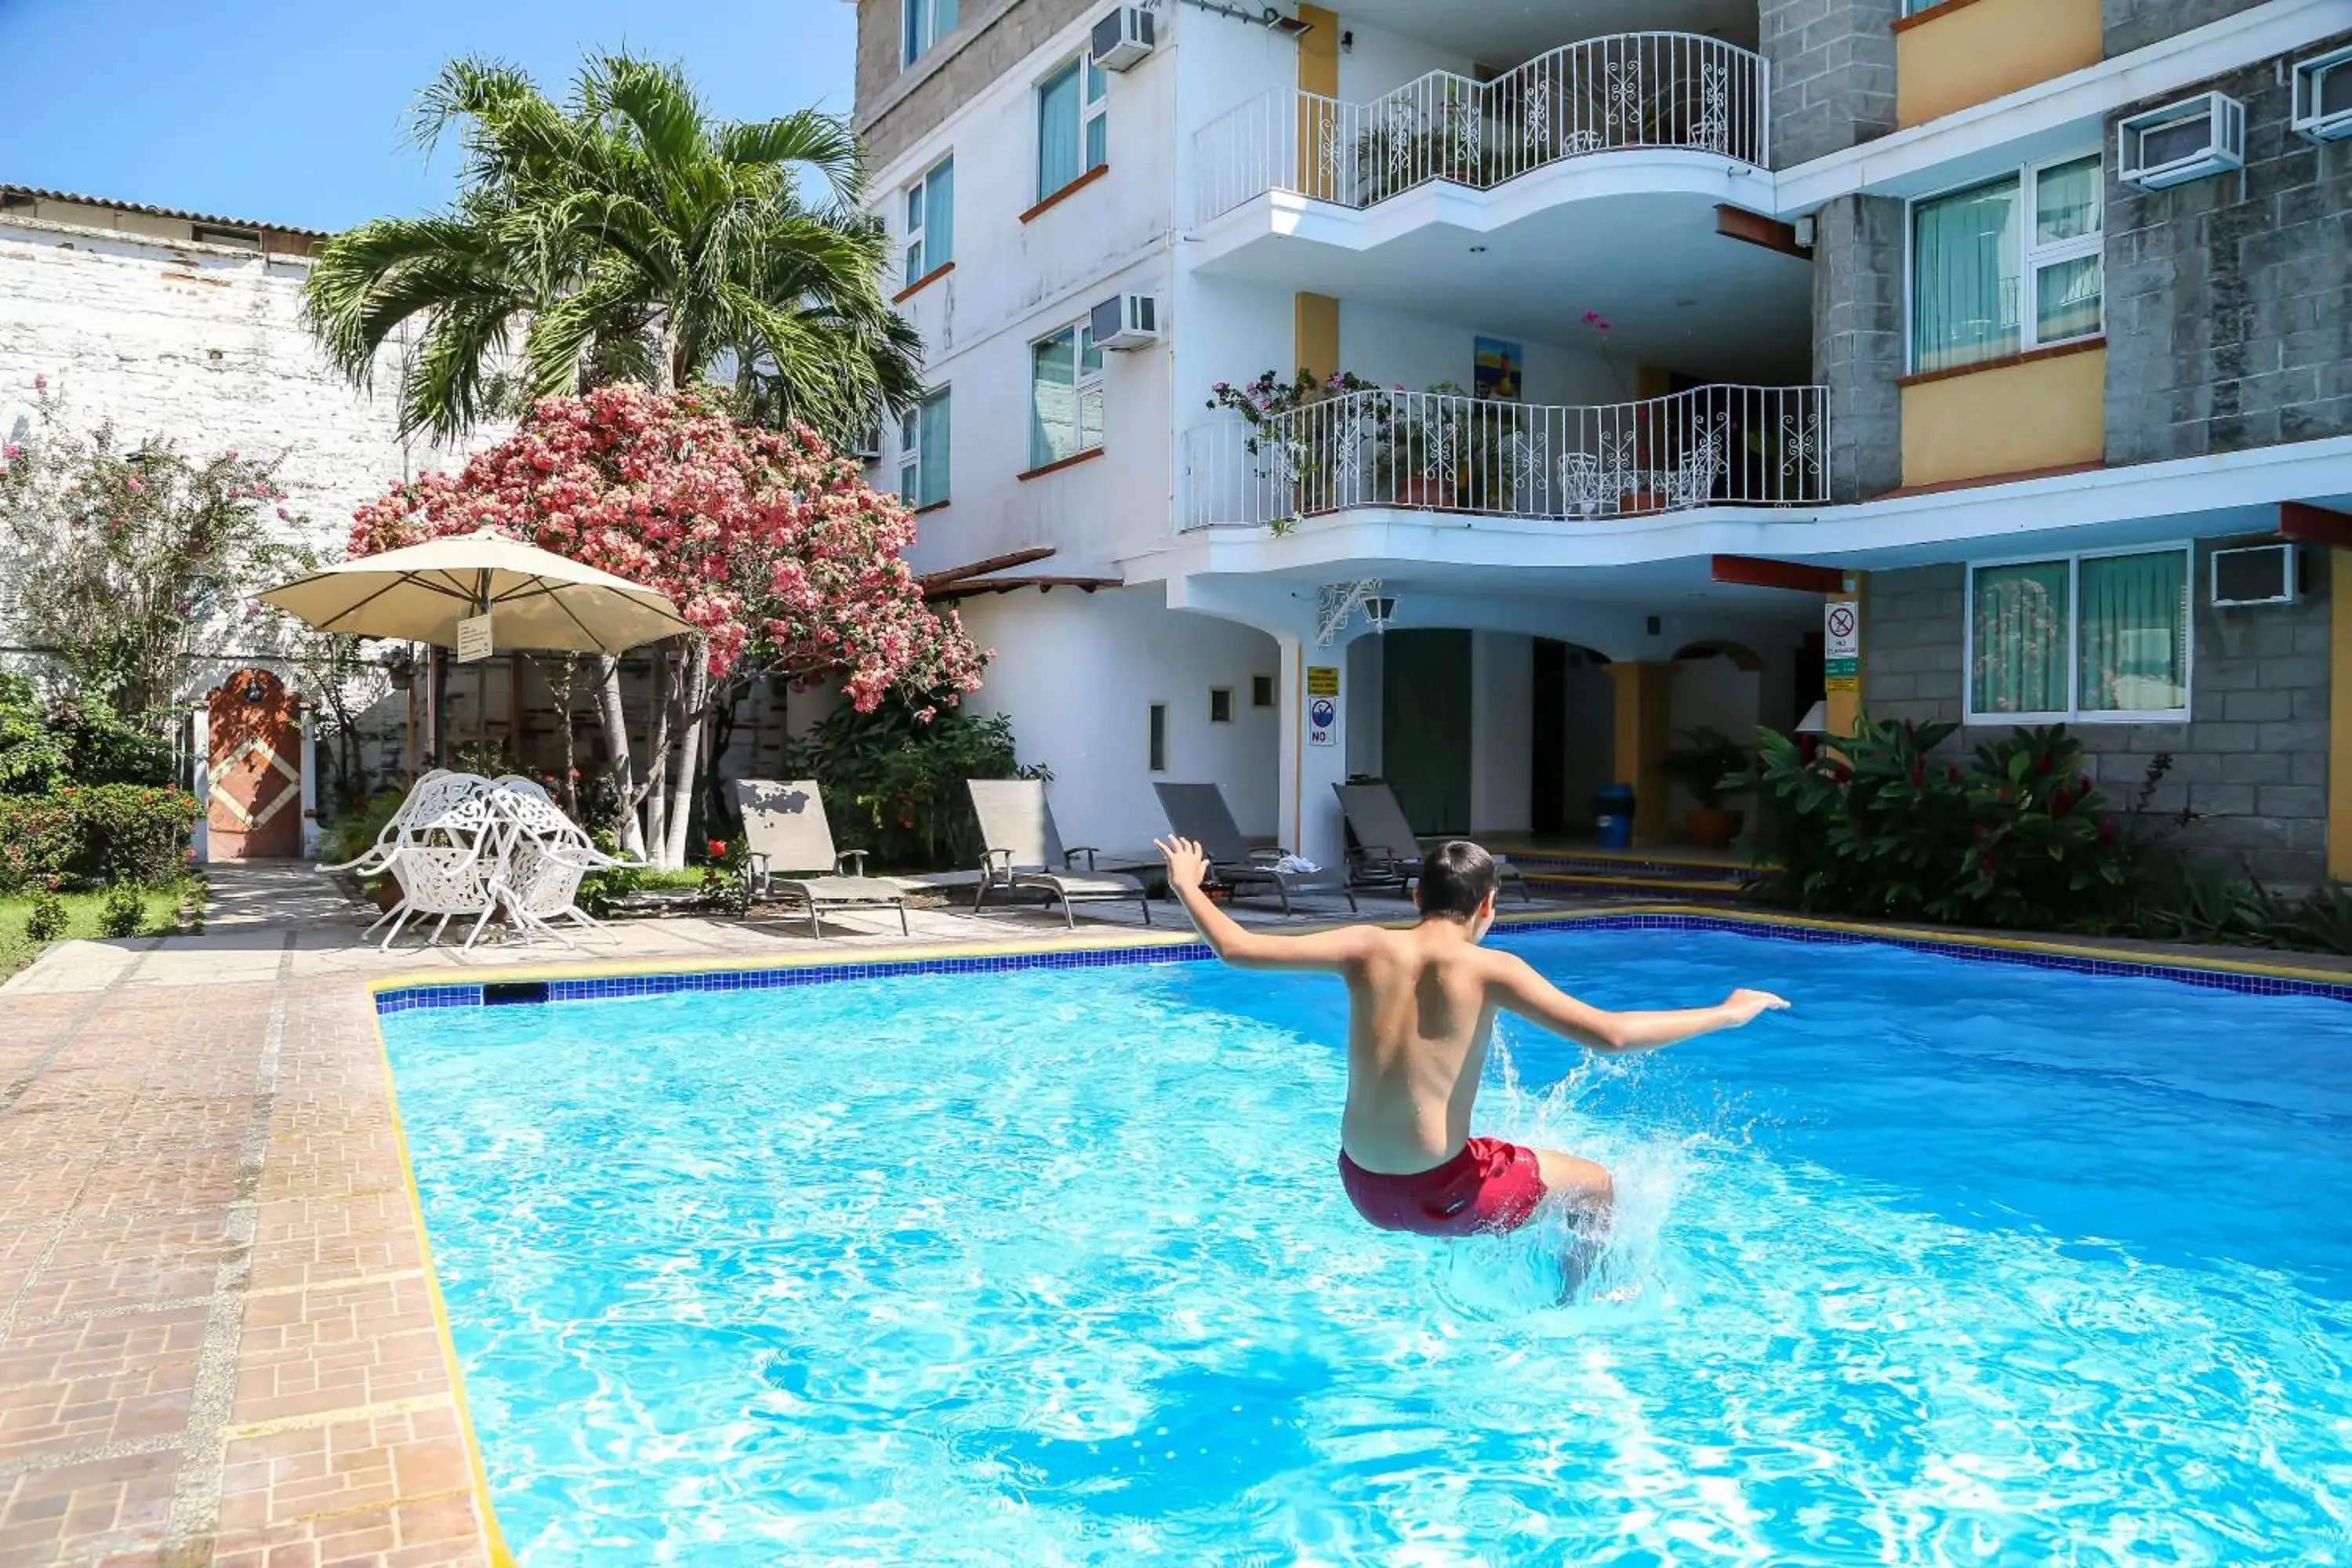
(202,343)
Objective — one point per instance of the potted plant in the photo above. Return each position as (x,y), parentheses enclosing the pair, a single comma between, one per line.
(1446,449)
(1308,449)
(1714,768)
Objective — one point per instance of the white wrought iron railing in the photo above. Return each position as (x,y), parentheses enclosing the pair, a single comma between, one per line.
(1712,446)
(1603,95)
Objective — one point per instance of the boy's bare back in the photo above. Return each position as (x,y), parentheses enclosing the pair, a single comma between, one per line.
(1421,1013)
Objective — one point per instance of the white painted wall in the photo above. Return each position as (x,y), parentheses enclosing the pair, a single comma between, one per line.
(1379,61)
(1391,346)
(1077,674)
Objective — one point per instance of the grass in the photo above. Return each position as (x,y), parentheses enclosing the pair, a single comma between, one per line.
(82,913)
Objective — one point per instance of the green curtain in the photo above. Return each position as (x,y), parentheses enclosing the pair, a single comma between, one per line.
(2134,610)
(1053,396)
(932,487)
(2017,645)
(1058,131)
(1964,260)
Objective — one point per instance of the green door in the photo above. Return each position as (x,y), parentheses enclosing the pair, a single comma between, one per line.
(1426,727)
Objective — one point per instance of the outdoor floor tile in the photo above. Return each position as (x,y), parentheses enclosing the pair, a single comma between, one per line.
(107,1510)
(106,1262)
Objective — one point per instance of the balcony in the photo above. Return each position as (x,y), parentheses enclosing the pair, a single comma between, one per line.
(1709,446)
(1631,92)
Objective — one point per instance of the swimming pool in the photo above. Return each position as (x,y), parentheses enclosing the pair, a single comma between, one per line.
(1957,1263)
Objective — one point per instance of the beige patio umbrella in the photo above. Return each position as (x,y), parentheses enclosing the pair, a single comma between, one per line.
(535,598)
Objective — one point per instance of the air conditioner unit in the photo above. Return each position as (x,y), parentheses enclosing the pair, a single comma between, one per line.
(1127,321)
(2323,96)
(2254,575)
(1122,39)
(2181,141)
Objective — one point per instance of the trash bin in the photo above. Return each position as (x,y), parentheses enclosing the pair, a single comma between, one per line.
(1612,815)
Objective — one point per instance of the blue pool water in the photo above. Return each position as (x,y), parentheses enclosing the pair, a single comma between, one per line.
(1957,1263)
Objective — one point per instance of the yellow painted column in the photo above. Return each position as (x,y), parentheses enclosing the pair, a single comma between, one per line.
(2339,716)
(1644,729)
(1845,707)
(1319,86)
(1316,331)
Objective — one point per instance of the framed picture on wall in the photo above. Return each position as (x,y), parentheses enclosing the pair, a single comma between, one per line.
(1496,373)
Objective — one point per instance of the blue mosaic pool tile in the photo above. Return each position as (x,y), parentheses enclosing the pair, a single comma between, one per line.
(470,996)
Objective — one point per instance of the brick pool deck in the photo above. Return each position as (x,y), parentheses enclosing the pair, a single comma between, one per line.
(219,1335)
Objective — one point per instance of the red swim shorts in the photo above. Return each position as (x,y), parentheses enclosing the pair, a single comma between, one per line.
(1491,1186)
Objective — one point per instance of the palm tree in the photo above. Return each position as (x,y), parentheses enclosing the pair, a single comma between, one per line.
(623,235)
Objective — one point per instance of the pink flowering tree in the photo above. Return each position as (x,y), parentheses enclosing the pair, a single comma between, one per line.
(787,564)
(128,563)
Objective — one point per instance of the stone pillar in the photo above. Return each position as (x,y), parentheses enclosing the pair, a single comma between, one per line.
(1858,261)
(200,780)
(1832,65)
(1644,726)
(1314,756)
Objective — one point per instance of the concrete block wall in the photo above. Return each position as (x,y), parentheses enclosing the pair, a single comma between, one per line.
(2229,309)
(2128,25)
(2252,761)
(1833,74)
(896,106)
(1858,262)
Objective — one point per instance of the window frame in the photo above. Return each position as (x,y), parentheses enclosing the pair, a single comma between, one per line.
(1155,730)
(1269,684)
(1227,693)
(2032,261)
(909,48)
(916,233)
(1090,112)
(910,452)
(1082,381)
(2074,712)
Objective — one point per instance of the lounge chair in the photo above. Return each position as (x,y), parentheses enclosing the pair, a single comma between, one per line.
(788,839)
(1387,853)
(1198,812)
(1025,851)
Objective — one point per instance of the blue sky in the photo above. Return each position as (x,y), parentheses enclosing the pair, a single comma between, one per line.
(292,110)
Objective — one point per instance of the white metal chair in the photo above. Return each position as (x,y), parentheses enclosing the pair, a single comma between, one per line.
(433,793)
(444,862)
(1583,486)
(541,856)
(1691,481)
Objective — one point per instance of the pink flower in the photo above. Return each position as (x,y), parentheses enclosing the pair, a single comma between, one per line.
(134,484)
(283,515)
(40,383)
(229,456)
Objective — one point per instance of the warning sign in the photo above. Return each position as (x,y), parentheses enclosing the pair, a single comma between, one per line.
(1323,721)
(1842,645)
(474,642)
(1322,680)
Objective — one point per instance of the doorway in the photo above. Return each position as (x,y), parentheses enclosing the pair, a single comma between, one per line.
(1426,694)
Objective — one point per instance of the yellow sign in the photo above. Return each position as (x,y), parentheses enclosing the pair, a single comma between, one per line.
(1322,680)
(1842,683)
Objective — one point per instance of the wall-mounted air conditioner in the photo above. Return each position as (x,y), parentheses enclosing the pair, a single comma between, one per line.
(1122,39)
(1127,321)
(2254,575)
(2181,141)
(2323,96)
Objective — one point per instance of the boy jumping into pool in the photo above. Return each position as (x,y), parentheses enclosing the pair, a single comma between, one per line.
(1421,1010)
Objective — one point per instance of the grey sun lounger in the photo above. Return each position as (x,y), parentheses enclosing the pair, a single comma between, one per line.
(788,840)
(1025,851)
(1198,812)
(1387,852)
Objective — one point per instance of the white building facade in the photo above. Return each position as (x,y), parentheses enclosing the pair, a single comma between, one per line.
(1679,334)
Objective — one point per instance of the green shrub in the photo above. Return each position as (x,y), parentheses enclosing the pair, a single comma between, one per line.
(1877,827)
(100,834)
(46,921)
(103,748)
(124,913)
(894,782)
(348,836)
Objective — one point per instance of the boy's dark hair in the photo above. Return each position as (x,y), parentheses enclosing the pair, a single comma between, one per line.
(1456,879)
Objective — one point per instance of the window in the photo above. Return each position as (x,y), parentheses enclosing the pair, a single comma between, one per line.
(1073,132)
(1261,691)
(927,22)
(2008,265)
(923,452)
(1221,705)
(2085,637)
(1065,398)
(1159,737)
(930,223)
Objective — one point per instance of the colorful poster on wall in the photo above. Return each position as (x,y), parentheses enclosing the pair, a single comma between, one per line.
(1322,705)
(1495,372)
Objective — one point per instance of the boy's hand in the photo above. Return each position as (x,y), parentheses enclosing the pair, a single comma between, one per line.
(1188,867)
(1744,1005)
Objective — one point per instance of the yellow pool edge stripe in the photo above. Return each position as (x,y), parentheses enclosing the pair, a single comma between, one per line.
(479,1476)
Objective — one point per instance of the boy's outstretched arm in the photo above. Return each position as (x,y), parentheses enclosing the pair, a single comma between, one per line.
(1330,950)
(1531,996)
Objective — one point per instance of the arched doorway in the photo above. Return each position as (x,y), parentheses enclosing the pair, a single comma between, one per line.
(253,750)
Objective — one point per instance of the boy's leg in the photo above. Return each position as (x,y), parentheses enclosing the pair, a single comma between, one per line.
(1584,1187)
